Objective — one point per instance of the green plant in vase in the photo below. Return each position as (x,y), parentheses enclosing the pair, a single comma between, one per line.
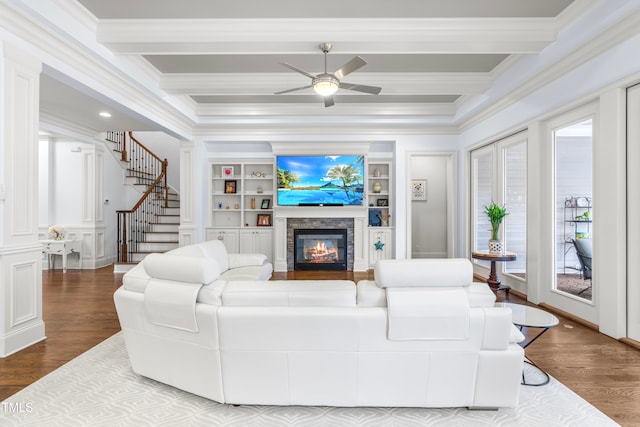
(496,214)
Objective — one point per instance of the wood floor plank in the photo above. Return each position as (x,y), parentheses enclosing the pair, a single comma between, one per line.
(79,313)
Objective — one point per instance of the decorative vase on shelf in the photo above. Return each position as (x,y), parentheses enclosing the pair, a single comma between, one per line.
(384,219)
(377,187)
(496,246)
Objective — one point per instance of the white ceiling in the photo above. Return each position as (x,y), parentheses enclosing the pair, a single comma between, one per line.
(222,58)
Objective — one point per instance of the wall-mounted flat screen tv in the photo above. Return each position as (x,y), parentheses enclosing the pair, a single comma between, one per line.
(320,180)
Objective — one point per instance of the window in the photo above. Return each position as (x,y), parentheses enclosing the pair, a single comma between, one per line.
(573,152)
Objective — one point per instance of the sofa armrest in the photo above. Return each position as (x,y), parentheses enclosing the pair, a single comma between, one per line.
(499,330)
(244,260)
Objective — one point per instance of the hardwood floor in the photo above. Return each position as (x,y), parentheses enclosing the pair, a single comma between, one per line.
(79,313)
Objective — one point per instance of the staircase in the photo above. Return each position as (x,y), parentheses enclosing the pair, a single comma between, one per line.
(162,234)
(151,225)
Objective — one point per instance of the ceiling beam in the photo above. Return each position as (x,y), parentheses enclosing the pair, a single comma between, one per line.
(300,36)
(268,83)
(441,110)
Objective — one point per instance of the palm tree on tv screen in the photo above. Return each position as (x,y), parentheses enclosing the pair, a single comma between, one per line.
(349,175)
(286,178)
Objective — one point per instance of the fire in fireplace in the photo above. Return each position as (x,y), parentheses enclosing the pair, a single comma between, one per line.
(321,249)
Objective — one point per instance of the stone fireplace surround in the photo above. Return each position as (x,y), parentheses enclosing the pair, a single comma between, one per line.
(318,224)
(351,218)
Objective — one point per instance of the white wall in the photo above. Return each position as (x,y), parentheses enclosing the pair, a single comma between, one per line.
(61,196)
(60,183)
(165,147)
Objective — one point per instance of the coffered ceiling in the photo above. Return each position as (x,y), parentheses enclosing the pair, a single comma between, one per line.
(222,58)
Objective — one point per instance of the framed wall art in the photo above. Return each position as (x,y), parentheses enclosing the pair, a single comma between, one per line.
(419,189)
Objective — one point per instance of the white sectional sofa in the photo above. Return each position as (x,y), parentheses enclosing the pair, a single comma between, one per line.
(420,335)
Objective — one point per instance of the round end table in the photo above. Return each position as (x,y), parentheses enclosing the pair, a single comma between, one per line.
(494,280)
(525,316)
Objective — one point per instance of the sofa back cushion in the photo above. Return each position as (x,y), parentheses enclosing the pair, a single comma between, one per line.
(188,250)
(371,295)
(215,249)
(292,293)
(180,268)
(445,272)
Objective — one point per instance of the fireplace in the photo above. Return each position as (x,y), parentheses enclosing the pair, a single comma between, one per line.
(320,249)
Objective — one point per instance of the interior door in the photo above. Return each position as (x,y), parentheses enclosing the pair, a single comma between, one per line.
(633,207)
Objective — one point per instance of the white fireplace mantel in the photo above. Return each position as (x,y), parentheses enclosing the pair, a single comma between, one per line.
(359,215)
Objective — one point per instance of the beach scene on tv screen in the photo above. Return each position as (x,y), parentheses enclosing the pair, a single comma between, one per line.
(320,180)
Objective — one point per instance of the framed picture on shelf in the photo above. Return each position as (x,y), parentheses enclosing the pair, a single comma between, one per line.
(419,189)
(264,220)
(382,202)
(226,171)
(374,217)
(265,204)
(230,186)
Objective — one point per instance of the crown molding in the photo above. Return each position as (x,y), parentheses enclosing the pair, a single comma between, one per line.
(72,131)
(621,31)
(92,68)
(333,147)
(79,13)
(357,36)
(574,11)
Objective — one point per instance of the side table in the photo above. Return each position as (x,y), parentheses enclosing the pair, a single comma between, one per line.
(494,280)
(525,316)
(62,247)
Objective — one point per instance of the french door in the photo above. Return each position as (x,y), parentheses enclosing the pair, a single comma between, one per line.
(499,174)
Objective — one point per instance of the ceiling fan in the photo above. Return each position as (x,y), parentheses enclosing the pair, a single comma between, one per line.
(326,84)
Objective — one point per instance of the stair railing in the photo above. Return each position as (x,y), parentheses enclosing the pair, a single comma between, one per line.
(148,169)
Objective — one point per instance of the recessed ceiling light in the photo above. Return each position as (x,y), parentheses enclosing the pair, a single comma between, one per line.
(105,114)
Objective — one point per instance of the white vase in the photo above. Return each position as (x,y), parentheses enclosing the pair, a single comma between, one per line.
(496,247)
(377,187)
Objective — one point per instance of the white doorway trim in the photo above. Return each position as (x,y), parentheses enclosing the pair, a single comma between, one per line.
(452,217)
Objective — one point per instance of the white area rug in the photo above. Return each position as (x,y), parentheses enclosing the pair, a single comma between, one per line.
(98,388)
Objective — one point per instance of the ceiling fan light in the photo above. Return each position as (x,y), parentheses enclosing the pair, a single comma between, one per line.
(325,85)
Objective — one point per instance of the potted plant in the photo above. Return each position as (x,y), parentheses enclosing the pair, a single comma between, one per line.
(496,214)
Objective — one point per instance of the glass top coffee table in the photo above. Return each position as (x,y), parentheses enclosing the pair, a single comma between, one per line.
(525,316)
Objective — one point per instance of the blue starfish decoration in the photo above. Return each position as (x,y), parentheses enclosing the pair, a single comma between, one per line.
(379,245)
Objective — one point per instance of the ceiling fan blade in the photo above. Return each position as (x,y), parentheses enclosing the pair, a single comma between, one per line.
(298,70)
(292,90)
(374,90)
(348,68)
(328,101)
